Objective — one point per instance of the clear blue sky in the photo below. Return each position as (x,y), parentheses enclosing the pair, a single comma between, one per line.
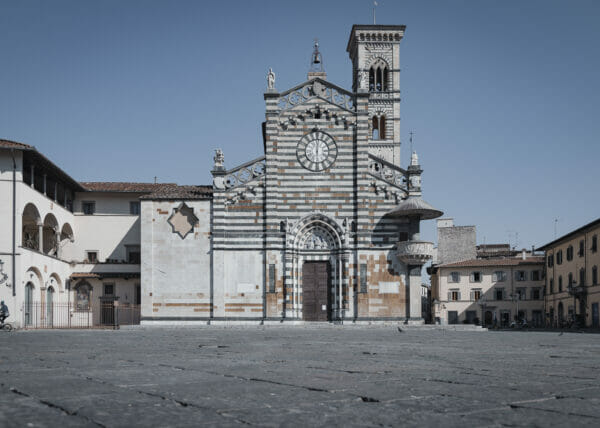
(503,96)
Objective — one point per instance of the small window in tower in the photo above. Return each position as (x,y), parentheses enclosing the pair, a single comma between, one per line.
(375,135)
(371,80)
(385,79)
(379,79)
(382,127)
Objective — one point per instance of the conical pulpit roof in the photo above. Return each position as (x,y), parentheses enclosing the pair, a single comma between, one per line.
(415,206)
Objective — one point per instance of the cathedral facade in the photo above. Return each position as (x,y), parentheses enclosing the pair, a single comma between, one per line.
(323,227)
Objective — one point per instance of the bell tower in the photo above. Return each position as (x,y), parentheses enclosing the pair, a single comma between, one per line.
(375,54)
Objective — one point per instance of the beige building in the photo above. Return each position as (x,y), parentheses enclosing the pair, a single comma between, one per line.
(572,290)
(496,290)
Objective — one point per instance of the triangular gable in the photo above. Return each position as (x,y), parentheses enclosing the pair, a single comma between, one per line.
(317,88)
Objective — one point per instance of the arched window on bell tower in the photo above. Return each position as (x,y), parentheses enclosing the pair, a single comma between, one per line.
(378,128)
(375,134)
(378,77)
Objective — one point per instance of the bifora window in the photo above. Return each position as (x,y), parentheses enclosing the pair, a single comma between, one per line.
(454,277)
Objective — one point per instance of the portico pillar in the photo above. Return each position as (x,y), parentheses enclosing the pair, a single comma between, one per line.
(40,236)
(57,241)
(45,176)
(56,192)
(32,168)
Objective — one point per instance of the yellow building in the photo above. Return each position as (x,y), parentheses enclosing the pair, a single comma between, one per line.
(572,289)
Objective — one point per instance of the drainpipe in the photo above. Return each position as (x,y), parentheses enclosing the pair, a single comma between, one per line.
(14,215)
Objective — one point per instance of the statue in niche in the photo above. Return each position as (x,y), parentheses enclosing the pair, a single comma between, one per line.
(362,79)
(270,79)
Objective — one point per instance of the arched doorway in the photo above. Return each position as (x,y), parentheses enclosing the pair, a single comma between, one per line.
(50,306)
(28,305)
(318,264)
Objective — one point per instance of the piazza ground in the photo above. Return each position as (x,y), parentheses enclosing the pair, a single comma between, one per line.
(298,376)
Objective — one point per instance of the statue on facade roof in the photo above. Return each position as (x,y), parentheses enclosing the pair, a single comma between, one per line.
(219,158)
(270,79)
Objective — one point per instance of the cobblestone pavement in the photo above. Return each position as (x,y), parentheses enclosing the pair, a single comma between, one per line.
(294,376)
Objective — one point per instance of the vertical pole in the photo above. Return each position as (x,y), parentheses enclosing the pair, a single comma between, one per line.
(14,215)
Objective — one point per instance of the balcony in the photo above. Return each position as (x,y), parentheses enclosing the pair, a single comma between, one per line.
(414,252)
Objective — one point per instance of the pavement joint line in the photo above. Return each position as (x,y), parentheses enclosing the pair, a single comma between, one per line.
(54,406)
(178,402)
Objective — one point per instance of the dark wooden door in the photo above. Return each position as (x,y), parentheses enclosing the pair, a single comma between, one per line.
(315,291)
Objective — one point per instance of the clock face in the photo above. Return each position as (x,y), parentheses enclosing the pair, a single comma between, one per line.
(316,151)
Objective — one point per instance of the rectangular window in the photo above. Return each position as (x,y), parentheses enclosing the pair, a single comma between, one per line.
(475,294)
(454,277)
(453,295)
(363,278)
(569,253)
(536,275)
(520,275)
(134,207)
(88,207)
(559,257)
(594,243)
(551,285)
(595,275)
(109,289)
(133,254)
(521,294)
(475,277)
(271,278)
(499,293)
(551,260)
(499,276)
(581,251)
(91,256)
(535,294)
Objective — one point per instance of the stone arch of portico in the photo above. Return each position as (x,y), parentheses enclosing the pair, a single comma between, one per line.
(316,237)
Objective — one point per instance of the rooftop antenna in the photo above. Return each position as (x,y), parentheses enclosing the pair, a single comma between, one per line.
(411,140)
(374,7)
(555,224)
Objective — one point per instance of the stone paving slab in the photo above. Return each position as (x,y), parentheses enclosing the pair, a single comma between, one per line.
(298,376)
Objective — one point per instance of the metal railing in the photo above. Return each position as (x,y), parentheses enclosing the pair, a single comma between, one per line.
(42,315)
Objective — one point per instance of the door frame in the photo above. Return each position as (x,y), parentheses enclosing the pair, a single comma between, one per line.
(328,288)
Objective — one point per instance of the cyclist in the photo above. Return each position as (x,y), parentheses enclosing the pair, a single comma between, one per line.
(3,312)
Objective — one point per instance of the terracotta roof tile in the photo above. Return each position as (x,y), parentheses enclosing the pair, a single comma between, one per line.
(8,144)
(513,261)
(109,186)
(174,192)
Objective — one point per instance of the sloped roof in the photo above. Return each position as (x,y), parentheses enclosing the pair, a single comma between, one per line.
(114,186)
(513,261)
(175,192)
(8,144)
